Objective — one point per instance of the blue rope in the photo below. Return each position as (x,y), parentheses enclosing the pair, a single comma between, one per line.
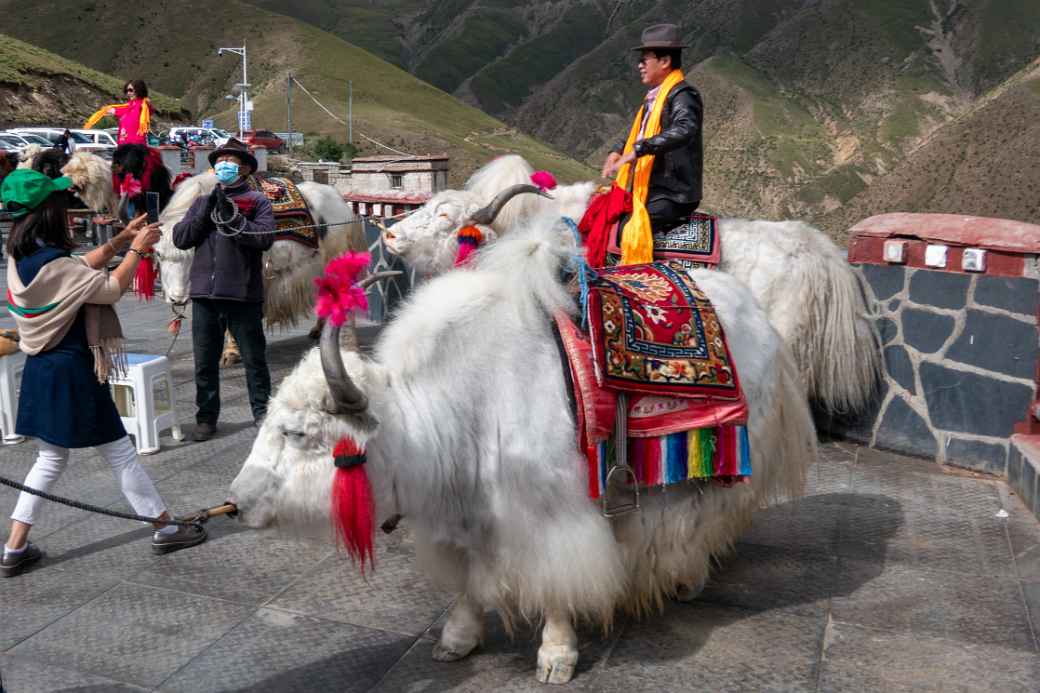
(581,267)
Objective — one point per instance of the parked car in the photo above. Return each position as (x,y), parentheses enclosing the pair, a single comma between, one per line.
(98,136)
(196,135)
(12,142)
(29,138)
(264,138)
(53,135)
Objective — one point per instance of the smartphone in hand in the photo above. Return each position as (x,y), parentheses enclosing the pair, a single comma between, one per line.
(152,202)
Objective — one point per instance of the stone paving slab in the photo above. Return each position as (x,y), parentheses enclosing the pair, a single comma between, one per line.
(704,647)
(278,651)
(985,610)
(28,675)
(864,659)
(140,635)
(889,574)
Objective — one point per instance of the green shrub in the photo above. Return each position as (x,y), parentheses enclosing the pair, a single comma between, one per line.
(328,149)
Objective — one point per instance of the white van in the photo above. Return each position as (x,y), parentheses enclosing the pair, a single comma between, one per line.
(98,136)
(214,136)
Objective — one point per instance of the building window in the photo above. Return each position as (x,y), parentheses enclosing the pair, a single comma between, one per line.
(396,181)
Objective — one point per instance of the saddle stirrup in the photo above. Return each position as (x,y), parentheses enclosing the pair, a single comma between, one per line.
(620,469)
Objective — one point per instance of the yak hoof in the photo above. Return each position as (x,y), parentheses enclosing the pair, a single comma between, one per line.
(687,593)
(230,358)
(556,663)
(452,653)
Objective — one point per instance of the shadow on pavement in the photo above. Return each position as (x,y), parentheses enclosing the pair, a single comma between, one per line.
(752,581)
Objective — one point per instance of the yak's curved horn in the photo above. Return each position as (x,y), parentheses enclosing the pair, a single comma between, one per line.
(121,209)
(346,396)
(486,215)
(378,276)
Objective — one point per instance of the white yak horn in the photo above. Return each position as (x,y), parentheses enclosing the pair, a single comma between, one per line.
(486,215)
(346,396)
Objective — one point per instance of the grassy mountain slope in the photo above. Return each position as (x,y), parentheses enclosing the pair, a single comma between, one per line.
(40,88)
(390,105)
(982,163)
(808,101)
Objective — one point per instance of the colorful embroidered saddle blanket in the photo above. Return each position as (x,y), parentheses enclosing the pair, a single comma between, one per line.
(655,332)
(694,243)
(290,211)
(669,439)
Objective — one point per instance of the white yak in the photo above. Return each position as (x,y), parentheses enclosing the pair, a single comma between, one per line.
(796,273)
(469,433)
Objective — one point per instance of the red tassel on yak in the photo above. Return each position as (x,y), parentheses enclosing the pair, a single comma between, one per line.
(353,510)
(352,507)
(144,278)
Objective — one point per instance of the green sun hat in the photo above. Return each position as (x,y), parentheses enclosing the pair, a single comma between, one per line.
(24,190)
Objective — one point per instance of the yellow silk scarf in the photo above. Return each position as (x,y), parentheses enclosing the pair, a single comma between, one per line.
(637,240)
(143,123)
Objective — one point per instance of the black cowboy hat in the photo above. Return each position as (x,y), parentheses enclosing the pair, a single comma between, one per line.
(239,149)
(661,36)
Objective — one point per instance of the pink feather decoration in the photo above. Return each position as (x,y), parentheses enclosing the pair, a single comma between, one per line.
(543,180)
(338,293)
(132,187)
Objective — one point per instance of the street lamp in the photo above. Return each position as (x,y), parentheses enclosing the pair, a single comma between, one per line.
(243,100)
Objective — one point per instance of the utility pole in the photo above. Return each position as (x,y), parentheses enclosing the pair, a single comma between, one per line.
(288,110)
(243,94)
(350,112)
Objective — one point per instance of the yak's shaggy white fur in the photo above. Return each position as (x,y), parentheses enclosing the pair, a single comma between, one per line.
(796,273)
(92,177)
(289,267)
(476,445)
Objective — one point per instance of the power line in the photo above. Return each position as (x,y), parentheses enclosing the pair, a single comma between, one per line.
(343,122)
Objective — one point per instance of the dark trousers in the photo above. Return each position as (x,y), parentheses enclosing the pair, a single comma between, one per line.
(665,214)
(209,319)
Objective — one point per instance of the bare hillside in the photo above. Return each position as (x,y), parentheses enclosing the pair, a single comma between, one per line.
(983,163)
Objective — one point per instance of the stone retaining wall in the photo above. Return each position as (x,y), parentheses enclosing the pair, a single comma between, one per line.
(960,357)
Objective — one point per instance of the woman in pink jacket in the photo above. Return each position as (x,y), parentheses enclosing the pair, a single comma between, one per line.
(134,116)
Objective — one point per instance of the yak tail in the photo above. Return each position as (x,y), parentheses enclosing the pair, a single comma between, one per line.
(840,356)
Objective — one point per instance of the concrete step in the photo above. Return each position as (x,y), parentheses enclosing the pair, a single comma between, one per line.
(1024,470)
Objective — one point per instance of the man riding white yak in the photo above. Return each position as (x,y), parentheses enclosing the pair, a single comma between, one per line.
(798,275)
(462,419)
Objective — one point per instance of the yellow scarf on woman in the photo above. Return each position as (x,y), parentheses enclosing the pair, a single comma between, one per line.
(143,123)
(637,240)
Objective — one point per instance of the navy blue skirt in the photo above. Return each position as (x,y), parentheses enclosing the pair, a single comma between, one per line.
(61,401)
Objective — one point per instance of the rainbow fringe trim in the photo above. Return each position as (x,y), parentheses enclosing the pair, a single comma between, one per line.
(722,453)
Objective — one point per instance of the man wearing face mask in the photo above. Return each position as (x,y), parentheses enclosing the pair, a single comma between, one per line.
(229,229)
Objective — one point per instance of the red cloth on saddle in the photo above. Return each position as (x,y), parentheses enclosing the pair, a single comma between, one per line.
(648,415)
(602,214)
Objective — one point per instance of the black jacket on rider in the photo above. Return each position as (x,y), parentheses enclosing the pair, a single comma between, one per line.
(678,148)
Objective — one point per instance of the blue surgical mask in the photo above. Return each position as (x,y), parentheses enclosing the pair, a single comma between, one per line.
(227,171)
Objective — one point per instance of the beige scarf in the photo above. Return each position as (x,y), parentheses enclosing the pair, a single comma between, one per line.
(45,310)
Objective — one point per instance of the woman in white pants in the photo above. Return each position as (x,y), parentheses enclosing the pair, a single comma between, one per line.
(63,309)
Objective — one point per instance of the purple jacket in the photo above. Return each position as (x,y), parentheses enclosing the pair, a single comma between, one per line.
(229,268)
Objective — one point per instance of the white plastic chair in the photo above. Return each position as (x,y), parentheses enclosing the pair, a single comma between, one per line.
(10,368)
(145,413)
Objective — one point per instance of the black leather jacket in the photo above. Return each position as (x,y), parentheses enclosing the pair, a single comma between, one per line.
(678,149)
